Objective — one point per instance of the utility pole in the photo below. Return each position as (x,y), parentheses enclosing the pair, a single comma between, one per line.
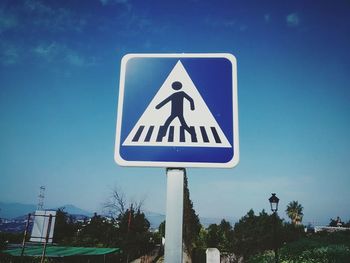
(41,197)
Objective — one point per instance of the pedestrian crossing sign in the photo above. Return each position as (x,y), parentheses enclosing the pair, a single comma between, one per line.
(177,110)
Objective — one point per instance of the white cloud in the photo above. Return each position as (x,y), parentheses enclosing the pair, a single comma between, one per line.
(55,52)
(75,59)
(108,2)
(267,18)
(229,23)
(36,6)
(7,21)
(293,20)
(243,28)
(47,51)
(39,18)
(53,19)
(9,56)
(220,22)
(225,23)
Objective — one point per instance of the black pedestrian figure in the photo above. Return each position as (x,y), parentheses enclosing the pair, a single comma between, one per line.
(177,104)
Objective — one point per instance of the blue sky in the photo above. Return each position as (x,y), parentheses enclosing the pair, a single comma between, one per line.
(59,75)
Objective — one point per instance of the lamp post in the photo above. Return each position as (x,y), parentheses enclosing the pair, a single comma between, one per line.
(274,207)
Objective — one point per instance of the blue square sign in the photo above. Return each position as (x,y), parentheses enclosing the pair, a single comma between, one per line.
(177,110)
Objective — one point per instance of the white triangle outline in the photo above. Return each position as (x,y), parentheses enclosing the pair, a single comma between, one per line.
(200,116)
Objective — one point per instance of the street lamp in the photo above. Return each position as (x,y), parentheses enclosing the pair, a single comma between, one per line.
(274,207)
(274,202)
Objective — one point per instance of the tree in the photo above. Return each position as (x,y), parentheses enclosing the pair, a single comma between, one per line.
(117,203)
(10,238)
(213,236)
(347,224)
(336,222)
(226,233)
(99,231)
(134,237)
(161,229)
(191,224)
(65,228)
(254,234)
(159,237)
(295,212)
(220,236)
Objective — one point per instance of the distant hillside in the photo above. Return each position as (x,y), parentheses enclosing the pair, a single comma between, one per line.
(18,210)
(154,219)
(73,210)
(14,210)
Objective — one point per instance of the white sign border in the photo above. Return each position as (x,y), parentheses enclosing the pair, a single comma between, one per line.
(230,164)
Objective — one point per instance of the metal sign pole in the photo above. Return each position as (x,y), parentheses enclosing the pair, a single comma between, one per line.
(174,215)
(25,237)
(46,239)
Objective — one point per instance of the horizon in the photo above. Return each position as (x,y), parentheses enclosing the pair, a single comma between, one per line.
(232,219)
(59,79)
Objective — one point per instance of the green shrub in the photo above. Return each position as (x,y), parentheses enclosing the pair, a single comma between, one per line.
(318,248)
(266,257)
(327,254)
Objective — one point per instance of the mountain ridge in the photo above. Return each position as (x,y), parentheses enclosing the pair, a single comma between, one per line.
(15,210)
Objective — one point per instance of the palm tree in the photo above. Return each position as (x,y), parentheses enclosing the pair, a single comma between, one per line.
(295,212)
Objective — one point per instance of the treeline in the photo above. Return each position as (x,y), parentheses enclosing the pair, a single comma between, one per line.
(251,235)
(254,238)
(129,231)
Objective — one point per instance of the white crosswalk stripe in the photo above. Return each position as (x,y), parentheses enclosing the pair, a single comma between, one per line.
(176,136)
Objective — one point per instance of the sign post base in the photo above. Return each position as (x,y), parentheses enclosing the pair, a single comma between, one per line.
(174,215)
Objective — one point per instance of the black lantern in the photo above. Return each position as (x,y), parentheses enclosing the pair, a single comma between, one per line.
(274,202)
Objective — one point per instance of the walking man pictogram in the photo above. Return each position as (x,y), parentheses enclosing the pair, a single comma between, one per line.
(177,105)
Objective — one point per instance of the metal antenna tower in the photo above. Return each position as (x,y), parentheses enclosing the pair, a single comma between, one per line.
(41,197)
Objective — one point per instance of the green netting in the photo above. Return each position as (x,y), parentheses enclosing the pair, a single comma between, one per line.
(57,251)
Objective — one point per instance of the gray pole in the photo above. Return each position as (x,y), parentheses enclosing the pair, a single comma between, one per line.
(25,237)
(275,236)
(174,215)
(46,239)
